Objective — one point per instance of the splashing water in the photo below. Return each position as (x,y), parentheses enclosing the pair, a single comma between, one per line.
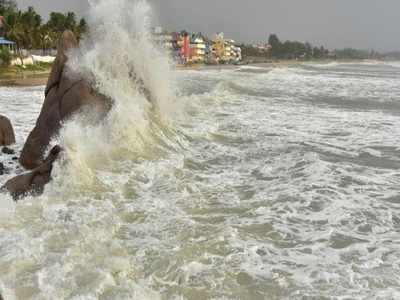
(123,63)
(287,186)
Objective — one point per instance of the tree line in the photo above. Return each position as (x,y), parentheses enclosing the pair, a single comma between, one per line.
(299,50)
(295,49)
(28,30)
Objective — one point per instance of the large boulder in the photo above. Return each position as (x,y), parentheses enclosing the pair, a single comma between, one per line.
(32,183)
(65,94)
(7,136)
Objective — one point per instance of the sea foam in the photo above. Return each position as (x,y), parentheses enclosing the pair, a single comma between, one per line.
(123,63)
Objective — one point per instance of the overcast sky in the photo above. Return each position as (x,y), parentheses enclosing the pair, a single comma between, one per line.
(368,24)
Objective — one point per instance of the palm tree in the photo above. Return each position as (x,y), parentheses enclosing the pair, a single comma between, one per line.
(46,38)
(16,33)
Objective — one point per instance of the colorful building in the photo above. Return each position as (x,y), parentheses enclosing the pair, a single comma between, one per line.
(185,50)
(225,50)
(218,47)
(187,47)
(197,48)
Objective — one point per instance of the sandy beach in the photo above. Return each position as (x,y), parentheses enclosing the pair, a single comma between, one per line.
(16,77)
(35,80)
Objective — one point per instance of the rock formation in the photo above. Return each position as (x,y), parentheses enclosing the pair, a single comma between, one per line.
(7,136)
(7,151)
(32,183)
(65,93)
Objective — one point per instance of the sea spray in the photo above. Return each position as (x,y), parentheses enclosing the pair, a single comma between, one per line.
(123,63)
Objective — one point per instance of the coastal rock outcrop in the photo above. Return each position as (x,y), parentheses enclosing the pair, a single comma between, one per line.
(32,183)
(7,136)
(65,94)
(8,151)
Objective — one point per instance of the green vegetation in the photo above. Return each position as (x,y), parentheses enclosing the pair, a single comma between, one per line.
(304,51)
(294,49)
(28,31)
(37,67)
(349,53)
(285,50)
(5,57)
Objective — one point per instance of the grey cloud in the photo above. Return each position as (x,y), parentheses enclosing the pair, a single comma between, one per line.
(368,24)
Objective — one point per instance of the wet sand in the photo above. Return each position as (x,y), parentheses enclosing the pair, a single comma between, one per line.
(25,81)
(16,77)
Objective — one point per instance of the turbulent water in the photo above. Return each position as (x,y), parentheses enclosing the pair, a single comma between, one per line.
(281,184)
(237,183)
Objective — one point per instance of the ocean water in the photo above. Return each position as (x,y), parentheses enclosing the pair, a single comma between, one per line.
(234,183)
(273,184)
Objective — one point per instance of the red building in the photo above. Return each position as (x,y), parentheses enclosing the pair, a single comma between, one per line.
(186,47)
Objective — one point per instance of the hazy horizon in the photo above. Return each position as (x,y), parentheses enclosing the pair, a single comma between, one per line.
(363,24)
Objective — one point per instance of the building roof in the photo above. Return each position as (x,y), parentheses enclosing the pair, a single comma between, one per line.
(3,41)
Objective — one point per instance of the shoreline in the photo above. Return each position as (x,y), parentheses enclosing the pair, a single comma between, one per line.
(12,77)
(25,81)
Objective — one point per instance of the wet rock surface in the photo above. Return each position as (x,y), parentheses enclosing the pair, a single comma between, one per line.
(7,136)
(66,93)
(8,151)
(32,183)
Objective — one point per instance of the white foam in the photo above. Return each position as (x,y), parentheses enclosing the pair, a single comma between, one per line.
(125,65)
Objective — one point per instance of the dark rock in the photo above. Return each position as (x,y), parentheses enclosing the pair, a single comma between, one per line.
(32,183)
(15,158)
(2,169)
(7,136)
(1,297)
(66,93)
(8,151)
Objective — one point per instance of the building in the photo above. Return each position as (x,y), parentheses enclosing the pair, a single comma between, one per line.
(185,47)
(163,38)
(236,53)
(197,48)
(228,50)
(225,50)
(6,44)
(218,47)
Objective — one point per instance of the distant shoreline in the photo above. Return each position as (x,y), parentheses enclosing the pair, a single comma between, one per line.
(12,77)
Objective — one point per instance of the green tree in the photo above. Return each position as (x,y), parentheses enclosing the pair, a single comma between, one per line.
(82,28)
(7,7)
(57,22)
(308,50)
(5,57)
(70,21)
(276,45)
(31,22)
(28,32)
(317,54)
(47,38)
(16,33)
